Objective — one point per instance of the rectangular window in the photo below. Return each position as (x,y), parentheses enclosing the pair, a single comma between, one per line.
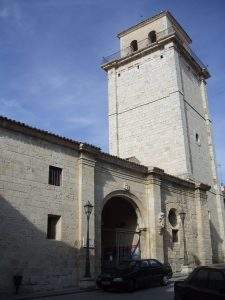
(54,227)
(55,176)
(175,235)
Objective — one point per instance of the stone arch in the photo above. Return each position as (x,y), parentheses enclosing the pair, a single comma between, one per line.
(134,201)
(152,36)
(122,223)
(134,45)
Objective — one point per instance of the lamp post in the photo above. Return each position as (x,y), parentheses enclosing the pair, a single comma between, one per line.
(88,209)
(182,217)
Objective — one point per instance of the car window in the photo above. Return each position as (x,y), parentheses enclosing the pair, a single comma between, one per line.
(200,279)
(144,264)
(154,263)
(216,281)
(127,265)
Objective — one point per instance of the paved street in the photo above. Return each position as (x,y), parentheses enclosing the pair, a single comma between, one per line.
(162,293)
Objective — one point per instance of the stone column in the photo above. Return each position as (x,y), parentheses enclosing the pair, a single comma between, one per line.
(203,226)
(86,193)
(154,211)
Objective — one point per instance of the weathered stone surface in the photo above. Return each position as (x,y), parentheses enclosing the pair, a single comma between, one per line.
(151,118)
(158,111)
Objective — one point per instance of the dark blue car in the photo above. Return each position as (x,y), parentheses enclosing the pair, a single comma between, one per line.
(132,275)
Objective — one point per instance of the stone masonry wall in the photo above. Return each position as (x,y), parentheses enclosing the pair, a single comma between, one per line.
(202,153)
(145,116)
(26,200)
(173,198)
(141,34)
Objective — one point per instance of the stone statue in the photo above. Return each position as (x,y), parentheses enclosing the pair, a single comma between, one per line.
(161,220)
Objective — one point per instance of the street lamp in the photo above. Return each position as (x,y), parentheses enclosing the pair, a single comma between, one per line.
(88,209)
(182,217)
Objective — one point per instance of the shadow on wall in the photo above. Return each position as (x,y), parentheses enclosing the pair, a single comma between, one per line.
(102,179)
(216,243)
(24,250)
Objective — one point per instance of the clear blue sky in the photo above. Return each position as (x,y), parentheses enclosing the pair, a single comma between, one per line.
(51,50)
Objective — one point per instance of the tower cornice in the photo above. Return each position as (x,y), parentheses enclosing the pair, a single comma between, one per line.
(189,55)
(152,19)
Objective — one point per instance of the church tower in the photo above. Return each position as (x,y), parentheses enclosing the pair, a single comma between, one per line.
(158,108)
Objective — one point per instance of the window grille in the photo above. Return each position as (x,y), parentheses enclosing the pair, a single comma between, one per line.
(55,175)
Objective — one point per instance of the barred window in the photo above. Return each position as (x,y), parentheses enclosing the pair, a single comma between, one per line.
(54,227)
(55,175)
(175,236)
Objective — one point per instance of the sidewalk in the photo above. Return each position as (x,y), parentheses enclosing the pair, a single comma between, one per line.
(46,294)
(68,291)
(178,276)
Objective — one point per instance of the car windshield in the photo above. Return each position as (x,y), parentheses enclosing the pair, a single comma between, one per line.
(126,265)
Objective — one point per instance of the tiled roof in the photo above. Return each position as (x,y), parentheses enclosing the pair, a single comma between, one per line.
(27,129)
(67,142)
(96,151)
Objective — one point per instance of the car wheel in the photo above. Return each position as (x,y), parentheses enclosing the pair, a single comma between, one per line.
(165,280)
(131,286)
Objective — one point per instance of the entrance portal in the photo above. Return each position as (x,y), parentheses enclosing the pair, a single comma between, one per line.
(120,235)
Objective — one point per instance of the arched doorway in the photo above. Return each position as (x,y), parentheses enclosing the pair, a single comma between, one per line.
(120,232)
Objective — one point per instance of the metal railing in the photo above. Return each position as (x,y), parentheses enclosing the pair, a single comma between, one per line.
(126,52)
(197,59)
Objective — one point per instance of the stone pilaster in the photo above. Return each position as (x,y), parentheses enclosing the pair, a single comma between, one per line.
(219,216)
(203,225)
(86,193)
(154,210)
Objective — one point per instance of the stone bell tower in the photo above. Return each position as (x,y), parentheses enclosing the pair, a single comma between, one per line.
(158,108)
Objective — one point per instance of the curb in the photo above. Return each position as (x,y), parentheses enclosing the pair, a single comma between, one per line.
(176,277)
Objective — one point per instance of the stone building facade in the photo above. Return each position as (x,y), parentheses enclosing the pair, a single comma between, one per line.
(46,179)
(158,109)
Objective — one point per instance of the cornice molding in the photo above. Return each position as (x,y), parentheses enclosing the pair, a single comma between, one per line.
(152,19)
(173,37)
(202,187)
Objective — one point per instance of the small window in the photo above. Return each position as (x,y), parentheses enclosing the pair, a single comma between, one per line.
(152,36)
(197,138)
(134,45)
(55,175)
(175,236)
(54,227)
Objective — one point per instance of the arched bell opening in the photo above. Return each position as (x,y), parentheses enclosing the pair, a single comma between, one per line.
(120,232)
(152,36)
